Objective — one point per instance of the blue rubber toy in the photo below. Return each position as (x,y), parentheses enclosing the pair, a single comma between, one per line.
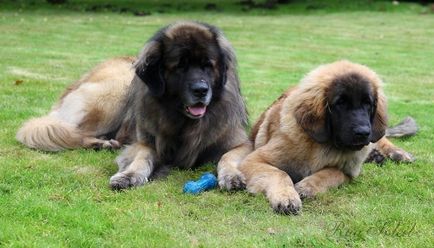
(207,181)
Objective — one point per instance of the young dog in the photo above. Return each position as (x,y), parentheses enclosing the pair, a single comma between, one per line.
(317,135)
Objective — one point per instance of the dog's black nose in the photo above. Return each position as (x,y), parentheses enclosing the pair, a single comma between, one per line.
(199,89)
(362,132)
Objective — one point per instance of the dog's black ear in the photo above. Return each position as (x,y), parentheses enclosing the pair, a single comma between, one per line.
(222,68)
(149,68)
(379,122)
(313,117)
(227,60)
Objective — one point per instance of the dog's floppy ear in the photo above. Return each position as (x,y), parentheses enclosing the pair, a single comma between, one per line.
(227,59)
(311,115)
(222,68)
(379,122)
(149,68)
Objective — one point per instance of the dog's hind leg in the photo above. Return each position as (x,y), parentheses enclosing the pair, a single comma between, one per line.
(386,148)
(95,143)
(136,164)
(320,182)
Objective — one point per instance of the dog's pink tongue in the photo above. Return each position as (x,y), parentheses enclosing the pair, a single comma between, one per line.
(197,110)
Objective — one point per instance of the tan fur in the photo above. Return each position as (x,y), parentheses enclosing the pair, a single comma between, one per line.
(229,176)
(186,29)
(49,134)
(85,111)
(283,145)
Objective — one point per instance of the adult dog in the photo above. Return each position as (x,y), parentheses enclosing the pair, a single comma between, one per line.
(178,104)
(317,135)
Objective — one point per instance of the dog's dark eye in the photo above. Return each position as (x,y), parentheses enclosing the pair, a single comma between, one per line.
(182,64)
(206,63)
(366,101)
(340,101)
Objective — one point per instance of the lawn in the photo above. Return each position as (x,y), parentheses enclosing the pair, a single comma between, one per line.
(63,199)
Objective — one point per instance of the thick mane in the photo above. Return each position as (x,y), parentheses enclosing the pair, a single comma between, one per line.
(179,139)
(311,103)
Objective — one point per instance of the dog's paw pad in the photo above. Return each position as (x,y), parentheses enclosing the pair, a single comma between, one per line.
(304,191)
(288,206)
(121,181)
(285,201)
(114,144)
(234,181)
(400,155)
(110,144)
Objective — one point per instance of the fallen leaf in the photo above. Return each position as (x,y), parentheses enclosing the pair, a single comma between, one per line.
(271,231)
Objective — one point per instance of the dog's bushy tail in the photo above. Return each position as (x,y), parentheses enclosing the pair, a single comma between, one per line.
(405,128)
(49,134)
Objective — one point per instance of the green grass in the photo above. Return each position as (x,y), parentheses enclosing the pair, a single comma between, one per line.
(63,199)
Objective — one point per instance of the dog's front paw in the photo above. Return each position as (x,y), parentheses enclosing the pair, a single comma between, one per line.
(305,190)
(122,180)
(231,180)
(286,202)
(399,155)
